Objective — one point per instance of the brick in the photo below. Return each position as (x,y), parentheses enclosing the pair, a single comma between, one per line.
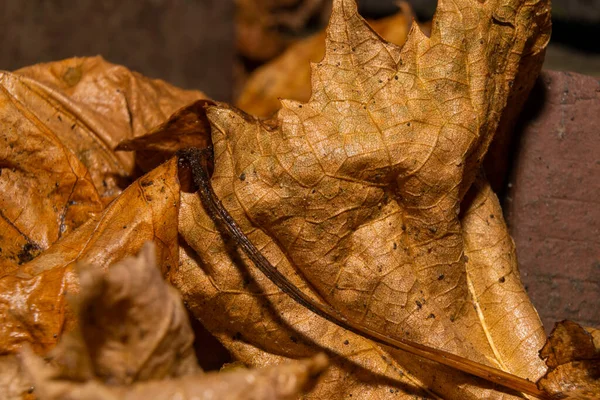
(552,205)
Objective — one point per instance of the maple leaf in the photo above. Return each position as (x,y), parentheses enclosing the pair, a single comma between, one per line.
(357,197)
(133,328)
(363,197)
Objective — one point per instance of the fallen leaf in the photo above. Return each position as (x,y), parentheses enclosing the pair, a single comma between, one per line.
(188,127)
(263,27)
(572,354)
(288,75)
(33,307)
(135,342)
(279,382)
(134,326)
(220,286)
(59,123)
(14,382)
(356,197)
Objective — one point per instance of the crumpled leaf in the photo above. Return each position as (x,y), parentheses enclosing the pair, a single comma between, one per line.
(134,326)
(572,354)
(288,75)
(33,307)
(14,383)
(279,382)
(188,127)
(135,342)
(261,25)
(222,286)
(356,197)
(59,124)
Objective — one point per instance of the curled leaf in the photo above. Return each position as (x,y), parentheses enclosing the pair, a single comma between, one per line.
(357,195)
(135,342)
(572,354)
(279,382)
(59,124)
(33,302)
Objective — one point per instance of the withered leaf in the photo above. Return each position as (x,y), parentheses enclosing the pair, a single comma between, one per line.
(134,325)
(288,75)
(133,329)
(356,196)
(261,25)
(14,382)
(572,354)
(279,382)
(188,127)
(59,124)
(33,307)
(222,286)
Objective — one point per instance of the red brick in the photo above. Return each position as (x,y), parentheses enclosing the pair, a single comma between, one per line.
(553,202)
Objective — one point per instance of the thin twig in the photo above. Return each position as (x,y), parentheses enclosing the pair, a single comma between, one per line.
(197,159)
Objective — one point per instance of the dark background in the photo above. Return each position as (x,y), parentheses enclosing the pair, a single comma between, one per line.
(553,188)
(186,42)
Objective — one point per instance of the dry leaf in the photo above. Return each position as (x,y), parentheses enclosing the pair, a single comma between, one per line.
(135,342)
(356,195)
(134,326)
(261,24)
(33,307)
(288,75)
(188,127)
(59,124)
(280,382)
(14,382)
(572,354)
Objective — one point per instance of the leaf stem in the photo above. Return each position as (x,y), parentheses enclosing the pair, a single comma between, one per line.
(197,160)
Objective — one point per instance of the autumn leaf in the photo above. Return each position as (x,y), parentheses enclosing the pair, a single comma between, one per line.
(134,326)
(369,199)
(33,304)
(134,341)
(288,75)
(59,125)
(572,354)
(261,25)
(359,195)
(14,382)
(188,127)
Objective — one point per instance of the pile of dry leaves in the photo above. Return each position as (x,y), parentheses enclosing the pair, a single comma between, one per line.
(348,247)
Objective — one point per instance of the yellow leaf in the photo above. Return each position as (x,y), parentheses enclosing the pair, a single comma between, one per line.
(357,195)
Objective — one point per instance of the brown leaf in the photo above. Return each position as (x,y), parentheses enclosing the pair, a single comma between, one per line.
(280,382)
(355,196)
(572,354)
(188,127)
(14,382)
(59,123)
(261,24)
(32,299)
(134,328)
(288,75)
